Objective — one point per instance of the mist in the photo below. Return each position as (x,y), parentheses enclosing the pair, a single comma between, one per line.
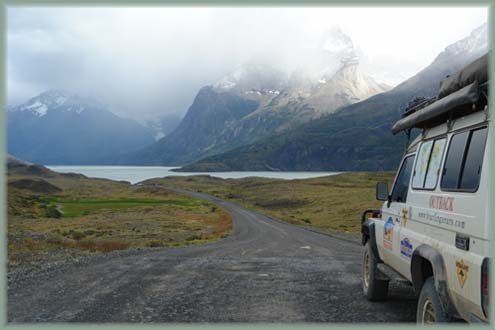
(147,61)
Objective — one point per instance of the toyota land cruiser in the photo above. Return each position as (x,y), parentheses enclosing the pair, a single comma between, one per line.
(434,227)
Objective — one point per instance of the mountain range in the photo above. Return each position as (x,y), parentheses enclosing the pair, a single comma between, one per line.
(331,115)
(357,136)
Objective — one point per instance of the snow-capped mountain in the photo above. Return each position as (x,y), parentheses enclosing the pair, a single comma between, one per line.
(348,85)
(333,80)
(57,127)
(254,80)
(58,100)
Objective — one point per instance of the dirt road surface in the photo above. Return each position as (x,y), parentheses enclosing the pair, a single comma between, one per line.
(265,271)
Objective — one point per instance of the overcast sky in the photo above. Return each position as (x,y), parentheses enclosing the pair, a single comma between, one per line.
(145,61)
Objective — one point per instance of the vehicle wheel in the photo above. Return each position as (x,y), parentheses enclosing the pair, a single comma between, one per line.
(430,309)
(373,289)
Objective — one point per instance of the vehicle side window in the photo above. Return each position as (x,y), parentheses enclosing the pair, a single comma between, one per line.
(422,164)
(428,163)
(401,187)
(474,160)
(462,169)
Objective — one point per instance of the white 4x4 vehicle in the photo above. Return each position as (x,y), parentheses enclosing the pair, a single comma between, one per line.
(434,227)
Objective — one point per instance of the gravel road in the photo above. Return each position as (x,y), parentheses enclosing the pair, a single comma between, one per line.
(265,271)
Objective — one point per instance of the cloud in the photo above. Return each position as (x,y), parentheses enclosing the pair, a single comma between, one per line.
(150,60)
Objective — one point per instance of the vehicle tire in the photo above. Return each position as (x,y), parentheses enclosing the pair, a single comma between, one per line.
(430,309)
(373,289)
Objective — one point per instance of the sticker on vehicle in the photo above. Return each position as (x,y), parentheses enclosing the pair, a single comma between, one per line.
(405,214)
(442,203)
(462,272)
(406,248)
(388,233)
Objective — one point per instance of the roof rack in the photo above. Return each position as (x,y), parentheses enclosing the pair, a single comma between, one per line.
(458,93)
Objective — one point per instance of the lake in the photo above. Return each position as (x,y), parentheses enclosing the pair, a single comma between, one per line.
(136,174)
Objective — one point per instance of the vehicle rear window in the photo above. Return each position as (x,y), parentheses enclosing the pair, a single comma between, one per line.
(401,187)
(462,167)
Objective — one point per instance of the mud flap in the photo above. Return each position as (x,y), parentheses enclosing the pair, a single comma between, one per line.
(368,231)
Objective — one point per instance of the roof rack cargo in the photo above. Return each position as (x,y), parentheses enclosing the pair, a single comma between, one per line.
(418,103)
(458,93)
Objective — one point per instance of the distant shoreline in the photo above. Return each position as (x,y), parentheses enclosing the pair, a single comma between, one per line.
(135,174)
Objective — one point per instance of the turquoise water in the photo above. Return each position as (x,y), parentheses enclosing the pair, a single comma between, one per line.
(136,174)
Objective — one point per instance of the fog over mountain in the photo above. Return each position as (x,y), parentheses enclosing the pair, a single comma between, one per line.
(146,63)
(258,100)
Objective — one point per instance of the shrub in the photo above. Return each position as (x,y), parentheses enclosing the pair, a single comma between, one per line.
(77,235)
(52,212)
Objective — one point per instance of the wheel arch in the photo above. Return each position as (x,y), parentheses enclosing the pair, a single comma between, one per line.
(426,262)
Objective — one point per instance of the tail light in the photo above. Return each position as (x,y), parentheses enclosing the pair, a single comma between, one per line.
(485,290)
